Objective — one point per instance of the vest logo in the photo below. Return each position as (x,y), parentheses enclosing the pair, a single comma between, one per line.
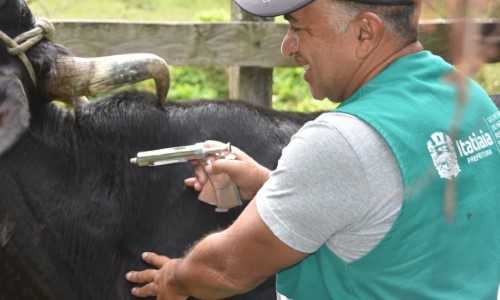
(475,147)
(443,155)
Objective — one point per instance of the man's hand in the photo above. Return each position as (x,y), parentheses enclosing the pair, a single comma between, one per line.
(246,173)
(221,265)
(154,279)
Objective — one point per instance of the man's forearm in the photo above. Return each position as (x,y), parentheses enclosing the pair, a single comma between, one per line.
(208,271)
(223,264)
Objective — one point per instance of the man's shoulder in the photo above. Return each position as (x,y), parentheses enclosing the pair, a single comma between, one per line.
(347,124)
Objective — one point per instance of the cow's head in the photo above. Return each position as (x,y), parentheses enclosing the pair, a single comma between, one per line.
(32,76)
(15,17)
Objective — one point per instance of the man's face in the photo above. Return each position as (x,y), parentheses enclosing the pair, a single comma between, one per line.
(326,54)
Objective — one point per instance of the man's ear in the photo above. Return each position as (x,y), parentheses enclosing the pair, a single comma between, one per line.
(370,29)
(14,111)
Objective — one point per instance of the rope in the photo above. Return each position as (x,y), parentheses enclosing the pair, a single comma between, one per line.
(21,44)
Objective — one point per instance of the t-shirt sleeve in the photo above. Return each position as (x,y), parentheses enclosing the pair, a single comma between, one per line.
(317,189)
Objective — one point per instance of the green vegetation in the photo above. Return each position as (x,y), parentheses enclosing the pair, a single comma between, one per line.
(138,10)
(290,91)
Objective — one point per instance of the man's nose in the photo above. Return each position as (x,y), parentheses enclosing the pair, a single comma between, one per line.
(290,43)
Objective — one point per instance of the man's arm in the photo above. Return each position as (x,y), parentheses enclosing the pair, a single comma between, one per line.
(226,263)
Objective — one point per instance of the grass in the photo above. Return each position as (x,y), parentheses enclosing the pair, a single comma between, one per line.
(290,91)
(138,10)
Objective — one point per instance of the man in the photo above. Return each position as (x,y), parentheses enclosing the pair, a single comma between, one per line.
(355,208)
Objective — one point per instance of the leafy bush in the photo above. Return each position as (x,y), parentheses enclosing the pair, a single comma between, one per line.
(198,83)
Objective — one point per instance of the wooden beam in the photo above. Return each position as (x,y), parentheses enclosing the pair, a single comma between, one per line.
(251,44)
(254,84)
(180,44)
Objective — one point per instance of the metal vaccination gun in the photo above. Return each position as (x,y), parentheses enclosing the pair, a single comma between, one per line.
(220,190)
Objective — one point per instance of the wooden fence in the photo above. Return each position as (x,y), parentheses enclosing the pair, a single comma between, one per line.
(252,46)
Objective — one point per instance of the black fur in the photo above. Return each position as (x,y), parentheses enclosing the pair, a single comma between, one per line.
(78,214)
(74,213)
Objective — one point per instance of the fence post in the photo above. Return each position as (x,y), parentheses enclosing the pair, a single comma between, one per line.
(251,84)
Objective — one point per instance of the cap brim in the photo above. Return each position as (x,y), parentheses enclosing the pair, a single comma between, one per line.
(271,8)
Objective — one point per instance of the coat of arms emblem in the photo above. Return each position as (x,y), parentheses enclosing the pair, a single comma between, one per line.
(443,155)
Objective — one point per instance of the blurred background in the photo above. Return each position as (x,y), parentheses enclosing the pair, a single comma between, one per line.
(290,91)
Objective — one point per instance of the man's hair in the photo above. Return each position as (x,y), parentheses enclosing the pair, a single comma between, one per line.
(397,18)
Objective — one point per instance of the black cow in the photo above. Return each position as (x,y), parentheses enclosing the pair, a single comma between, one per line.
(74,213)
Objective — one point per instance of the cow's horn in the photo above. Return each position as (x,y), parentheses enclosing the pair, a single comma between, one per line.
(76,76)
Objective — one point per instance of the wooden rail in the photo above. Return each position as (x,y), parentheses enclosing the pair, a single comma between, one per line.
(231,44)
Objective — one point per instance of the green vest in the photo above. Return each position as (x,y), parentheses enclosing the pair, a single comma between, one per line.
(425,255)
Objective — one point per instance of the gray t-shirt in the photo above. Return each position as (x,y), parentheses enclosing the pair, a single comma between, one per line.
(337,183)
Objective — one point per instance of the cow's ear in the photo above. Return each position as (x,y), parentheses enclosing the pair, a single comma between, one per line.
(14,111)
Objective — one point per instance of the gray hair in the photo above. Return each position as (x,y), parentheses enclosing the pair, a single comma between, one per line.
(397,18)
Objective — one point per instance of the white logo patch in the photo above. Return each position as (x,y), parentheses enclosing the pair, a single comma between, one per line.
(443,155)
